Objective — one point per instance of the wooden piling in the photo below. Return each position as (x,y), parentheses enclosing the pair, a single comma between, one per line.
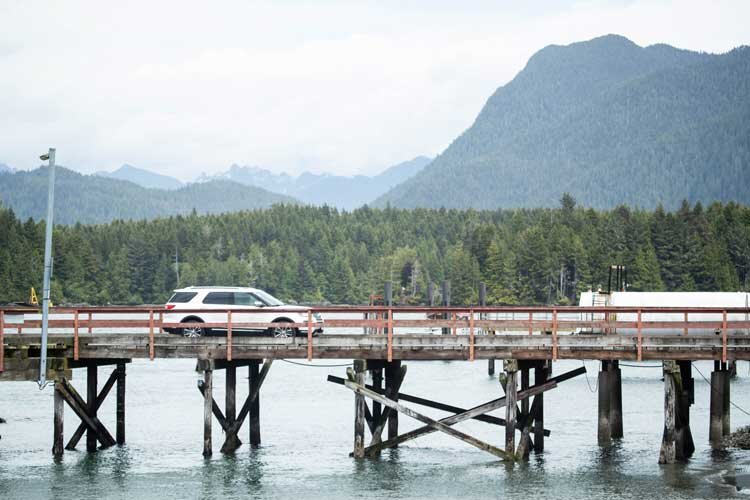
(377,382)
(207,411)
(230,406)
(120,431)
(604,430)
(57,432)
(393,381)
(684,434)
(719,387)
(668,452)
(525,369)
(254,410)
(541,374)
(615,402)
(91,393)
(725,402)
(359,410)
(510,366)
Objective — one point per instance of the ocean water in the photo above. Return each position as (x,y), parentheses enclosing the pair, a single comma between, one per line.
(307,434)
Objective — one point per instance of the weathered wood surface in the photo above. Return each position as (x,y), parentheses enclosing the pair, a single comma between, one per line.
(405,346)
(361,390)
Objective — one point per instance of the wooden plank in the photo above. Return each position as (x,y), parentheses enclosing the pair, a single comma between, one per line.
(427,420)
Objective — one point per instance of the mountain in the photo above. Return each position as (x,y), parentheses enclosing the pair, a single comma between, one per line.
(5,168)
(95,199)
(318,189)
(144,178)
(608,122)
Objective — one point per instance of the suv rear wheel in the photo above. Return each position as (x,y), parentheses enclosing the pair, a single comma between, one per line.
(193,331)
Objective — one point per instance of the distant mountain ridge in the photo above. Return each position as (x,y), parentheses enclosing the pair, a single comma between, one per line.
(318,189)
(144,178)
(92,199)
(5,168)
(606,121)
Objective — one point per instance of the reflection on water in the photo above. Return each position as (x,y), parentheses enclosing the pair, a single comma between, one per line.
(307,427)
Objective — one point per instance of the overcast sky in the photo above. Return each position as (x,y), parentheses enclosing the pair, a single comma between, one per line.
(346,87)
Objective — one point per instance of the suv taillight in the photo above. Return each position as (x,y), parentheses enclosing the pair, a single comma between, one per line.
(169,306)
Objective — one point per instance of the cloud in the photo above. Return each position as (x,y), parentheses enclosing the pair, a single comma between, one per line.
(181,87)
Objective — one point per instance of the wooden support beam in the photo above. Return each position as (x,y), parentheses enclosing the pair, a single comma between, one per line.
(541,374)
(524,446)
(377,382)
(361,390)
(472,413)
(80,408)
(91,393)
(604,430)
(256,376)
(208,401)
(57,432)
(615,402)
(719,389)
(668,452)
(524,404)
(532,391)
(78,434)
(357,376)
(391,393)
(684,433)
(120,411)
(231,440)
(216,410)
(392,370)
(510,366)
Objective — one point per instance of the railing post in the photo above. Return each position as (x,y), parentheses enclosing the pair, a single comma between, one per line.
(390,335)
(531,319)
(309,335)
(2,346)
(75,335)
(471,334)
(229,335)
(685,330)
(724,337)
(150,334)
(554,334)
(640,335)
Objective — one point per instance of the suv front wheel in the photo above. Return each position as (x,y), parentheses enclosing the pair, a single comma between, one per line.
(283,331)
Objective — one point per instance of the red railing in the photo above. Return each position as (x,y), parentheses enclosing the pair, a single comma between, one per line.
(610,320)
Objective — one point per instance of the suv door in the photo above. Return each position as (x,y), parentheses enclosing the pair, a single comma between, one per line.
(217,300)
(250,302)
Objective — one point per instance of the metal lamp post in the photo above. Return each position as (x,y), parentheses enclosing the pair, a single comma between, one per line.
(47,265)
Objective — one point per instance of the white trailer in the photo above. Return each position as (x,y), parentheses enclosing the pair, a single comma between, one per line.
(718,300)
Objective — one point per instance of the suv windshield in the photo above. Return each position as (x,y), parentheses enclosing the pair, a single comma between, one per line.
(268,298)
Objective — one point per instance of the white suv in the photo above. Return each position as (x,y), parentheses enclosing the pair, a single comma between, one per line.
(261,307)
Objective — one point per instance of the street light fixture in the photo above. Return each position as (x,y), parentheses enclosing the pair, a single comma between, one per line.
(47,265)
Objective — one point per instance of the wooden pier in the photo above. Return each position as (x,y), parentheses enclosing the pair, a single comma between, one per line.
(527,339)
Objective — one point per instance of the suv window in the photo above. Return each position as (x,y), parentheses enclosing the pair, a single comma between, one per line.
(246,299)
(223,298)
(182,297)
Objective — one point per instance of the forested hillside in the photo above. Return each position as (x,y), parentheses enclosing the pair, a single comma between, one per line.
(320,254)
(94,199)
(607,121)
